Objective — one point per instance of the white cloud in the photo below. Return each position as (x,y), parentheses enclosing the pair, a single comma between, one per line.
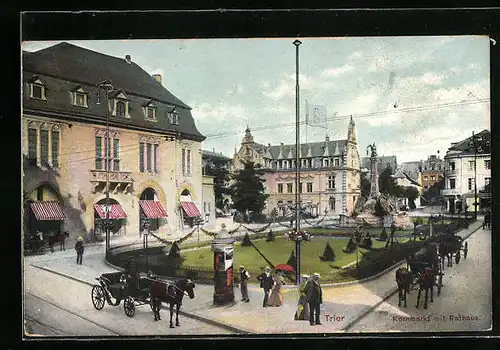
(235,90)
(431,78)
(465,92)
(219,113)
(335,72)
(280,109)
(286,87)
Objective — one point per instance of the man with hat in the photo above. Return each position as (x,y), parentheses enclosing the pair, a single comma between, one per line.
(266,282)
(244,276)
(79,250)
(314,298)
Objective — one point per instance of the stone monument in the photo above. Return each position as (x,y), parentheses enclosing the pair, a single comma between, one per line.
(378,206)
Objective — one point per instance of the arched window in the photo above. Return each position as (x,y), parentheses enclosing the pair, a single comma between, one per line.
(55,146)
(331,202)
(120,109)
(32,139)
(44,144)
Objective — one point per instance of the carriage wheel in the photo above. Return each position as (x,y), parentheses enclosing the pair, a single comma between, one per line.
(129,307)
(98,297)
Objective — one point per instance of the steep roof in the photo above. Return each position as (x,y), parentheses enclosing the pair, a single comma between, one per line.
(335,148)
(216,155)
(465,147)
(64,66)
(411,169)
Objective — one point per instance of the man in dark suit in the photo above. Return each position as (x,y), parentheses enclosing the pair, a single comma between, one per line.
(266,282)
(314,298)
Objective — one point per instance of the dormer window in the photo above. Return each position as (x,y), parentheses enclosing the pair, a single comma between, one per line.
(121,105)
(37,89)
(80,97)
(173,116)
(150,111)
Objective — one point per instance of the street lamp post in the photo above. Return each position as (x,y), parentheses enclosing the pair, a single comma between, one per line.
(107,87)
(474,138)
(297,161)
(145,241)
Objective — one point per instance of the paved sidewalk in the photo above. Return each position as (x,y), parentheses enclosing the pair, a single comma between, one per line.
(348,302)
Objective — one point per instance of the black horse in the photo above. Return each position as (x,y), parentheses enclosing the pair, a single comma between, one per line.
(58,238)
(172,294)
(404,279)
(426,281)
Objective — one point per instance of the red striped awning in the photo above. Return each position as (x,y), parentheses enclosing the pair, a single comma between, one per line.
(116,211)
(190,209)
(153,209)
(47,210)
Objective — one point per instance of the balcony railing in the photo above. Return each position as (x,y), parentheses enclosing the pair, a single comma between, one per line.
(114,176)
(450,172)
(449,192)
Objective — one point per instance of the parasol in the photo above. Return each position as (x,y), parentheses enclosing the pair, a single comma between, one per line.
(284,267)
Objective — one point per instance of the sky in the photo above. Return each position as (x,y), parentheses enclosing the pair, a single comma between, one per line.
(411,96)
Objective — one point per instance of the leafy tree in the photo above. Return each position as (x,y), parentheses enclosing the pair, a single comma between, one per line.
(386,182)
(328,254)
(221,181)
(247,191)
(411,193)
(292,260)
(433,193)
(246,241)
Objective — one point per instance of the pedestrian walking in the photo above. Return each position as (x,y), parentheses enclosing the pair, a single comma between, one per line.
(244,277)
(315,299)
(266,282)
(302,312)
(276,297)
(79,250)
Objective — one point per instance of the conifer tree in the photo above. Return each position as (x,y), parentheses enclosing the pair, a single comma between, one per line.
(246,241)
(175,251)
(270,236)
(292,260)
(328,254)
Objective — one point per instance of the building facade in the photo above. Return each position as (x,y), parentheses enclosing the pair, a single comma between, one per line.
(461,175)
(71,126)
(329,173)
(432,171)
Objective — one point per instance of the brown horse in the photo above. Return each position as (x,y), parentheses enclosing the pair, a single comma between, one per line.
(426,280)
(172,294)
(404,279)
(58,238)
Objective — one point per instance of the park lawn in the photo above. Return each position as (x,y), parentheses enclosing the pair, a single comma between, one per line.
(278,252)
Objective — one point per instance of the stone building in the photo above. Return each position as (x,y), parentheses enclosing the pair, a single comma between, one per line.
(432,171)
(460,176)
(329,173)
(154,147)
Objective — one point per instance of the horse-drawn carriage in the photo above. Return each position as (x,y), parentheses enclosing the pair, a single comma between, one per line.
(143,290)
(115,287)
(451,246)
(38,243)
(423,272)
(34,244)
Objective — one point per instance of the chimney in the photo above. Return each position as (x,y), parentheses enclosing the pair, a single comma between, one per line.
(327,139)
(157,77)
(128,59)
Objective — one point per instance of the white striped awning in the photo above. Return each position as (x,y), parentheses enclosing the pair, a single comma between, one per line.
(47,210)
(153,209)
(116,211)
(190,209)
